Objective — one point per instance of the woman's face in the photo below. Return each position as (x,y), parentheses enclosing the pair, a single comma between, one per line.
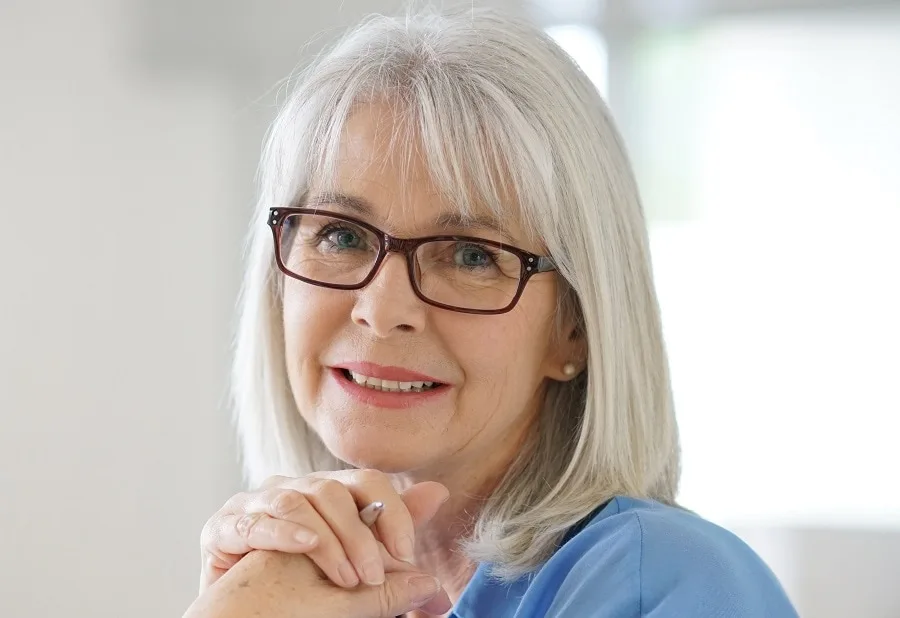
(491,367)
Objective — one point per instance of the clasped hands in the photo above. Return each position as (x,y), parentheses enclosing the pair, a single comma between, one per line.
(296,548)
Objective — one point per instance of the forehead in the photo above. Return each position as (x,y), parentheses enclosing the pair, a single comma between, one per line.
(378,157)
(382,158)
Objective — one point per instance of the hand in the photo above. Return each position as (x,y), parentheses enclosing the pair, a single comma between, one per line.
(318,515)
(278,585)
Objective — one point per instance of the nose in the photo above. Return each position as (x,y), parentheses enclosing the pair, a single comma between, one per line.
(389,305)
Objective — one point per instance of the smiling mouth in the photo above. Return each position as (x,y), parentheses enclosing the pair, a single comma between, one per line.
(389,386)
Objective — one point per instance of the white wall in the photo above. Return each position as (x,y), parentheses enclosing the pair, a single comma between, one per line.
(118,279)
(833,572)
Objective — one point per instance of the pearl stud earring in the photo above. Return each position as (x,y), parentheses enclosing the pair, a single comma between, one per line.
(569,369)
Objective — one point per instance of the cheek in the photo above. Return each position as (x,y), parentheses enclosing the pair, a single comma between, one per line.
(305,306)
(312,319)
(501,359)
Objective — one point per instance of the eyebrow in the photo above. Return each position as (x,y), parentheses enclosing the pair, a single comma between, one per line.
(362,207)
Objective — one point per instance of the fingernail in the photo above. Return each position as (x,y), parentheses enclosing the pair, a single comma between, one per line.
(372,573)
(348,574)
(422,589)
(305,537)
(405,548)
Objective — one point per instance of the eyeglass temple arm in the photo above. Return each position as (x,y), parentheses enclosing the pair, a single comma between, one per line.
(544,264)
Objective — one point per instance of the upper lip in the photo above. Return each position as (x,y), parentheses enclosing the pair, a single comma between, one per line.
(382,372)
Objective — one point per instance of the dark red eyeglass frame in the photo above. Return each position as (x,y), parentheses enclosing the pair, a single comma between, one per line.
(531,263)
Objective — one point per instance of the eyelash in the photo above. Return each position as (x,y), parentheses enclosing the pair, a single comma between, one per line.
(490,251)
(334,226)
(337,226)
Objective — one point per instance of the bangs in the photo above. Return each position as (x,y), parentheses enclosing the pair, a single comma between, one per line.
(484,155)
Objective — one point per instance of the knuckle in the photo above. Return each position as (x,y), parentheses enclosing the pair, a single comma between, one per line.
(328,551)
(245,525)
(212,530)
(209,529)
(368,476)
(235,501)
(286,502)
(206,535)
(210,562)
(328,488)
(274,481)
(388,598)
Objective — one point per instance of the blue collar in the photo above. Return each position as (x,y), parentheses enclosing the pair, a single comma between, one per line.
(485,595)
(484,592)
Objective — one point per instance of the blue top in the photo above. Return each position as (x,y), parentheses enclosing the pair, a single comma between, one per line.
(636,559)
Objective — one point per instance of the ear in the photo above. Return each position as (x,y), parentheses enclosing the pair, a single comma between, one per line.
(567,354)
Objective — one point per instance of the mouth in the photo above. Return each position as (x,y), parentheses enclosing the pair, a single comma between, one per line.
(388,386)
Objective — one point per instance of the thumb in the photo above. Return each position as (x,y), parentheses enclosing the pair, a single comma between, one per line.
(400,593)
(423,501)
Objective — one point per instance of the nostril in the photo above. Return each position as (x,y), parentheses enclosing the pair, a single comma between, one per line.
(402,327)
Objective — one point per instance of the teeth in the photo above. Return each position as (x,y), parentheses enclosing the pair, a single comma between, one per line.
(373,382)
(392,386)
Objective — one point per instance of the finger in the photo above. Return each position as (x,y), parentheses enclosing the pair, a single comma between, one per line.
(238,502)
(342,566)
(229,531)
(273,513)
(394,526)
(400,518)
(277,501)
(243,533)
(276,481)
(400,593)
(337,506)
(391,564)
(437,605)
(211,571)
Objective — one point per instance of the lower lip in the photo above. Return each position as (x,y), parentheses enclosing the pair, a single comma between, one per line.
(385,399)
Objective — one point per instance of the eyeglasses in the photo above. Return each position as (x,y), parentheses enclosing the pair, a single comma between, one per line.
(459,273)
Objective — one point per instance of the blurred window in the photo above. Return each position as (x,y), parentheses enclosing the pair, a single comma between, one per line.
(585,45)
(768,154)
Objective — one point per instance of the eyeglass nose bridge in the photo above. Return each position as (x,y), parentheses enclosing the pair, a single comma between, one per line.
(405,246)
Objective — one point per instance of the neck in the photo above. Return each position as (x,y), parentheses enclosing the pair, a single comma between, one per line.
(470,482)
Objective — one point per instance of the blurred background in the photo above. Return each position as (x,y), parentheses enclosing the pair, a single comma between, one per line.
(766,139)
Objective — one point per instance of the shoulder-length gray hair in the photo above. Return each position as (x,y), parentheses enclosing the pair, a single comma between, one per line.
(492,103)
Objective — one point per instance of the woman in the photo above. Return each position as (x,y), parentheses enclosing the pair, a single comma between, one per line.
(454,316)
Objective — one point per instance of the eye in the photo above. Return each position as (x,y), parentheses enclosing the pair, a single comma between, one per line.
(346,239)
(473,256)
(341,237)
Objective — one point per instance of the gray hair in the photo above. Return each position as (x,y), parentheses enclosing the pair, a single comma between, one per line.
(492,103)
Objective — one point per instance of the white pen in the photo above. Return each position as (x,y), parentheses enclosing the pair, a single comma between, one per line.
(370,513)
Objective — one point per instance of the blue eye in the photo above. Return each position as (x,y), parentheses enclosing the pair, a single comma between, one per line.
(345,239)
(473,256)
(341,237)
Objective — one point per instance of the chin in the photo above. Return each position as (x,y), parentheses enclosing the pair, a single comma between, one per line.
(387,456)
